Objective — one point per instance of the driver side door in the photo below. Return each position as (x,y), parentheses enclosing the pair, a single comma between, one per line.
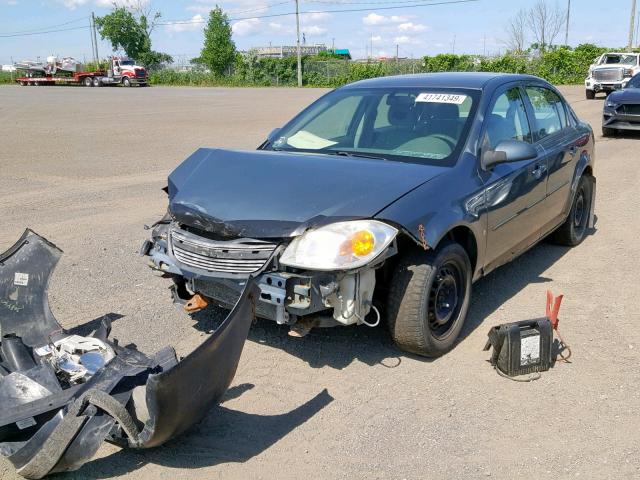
(514,191)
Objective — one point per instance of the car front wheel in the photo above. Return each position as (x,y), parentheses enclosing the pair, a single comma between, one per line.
(590,94)
(429,299)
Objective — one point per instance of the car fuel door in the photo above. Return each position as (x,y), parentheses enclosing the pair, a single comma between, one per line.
(514,190)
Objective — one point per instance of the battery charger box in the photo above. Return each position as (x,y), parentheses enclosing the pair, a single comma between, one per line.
(521,348)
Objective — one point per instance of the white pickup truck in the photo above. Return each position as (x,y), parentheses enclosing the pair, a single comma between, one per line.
(611,71)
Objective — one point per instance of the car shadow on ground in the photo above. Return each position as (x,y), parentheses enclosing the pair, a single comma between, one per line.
(223,436)
(624,134)
(338,347)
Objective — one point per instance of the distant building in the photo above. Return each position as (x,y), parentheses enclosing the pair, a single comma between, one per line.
(282,51)
(343,52)
(8,68)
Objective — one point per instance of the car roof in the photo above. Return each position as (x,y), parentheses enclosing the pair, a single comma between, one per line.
(476,80)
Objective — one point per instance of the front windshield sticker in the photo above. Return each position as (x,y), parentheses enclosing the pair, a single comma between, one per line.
(309,141)
(441,98)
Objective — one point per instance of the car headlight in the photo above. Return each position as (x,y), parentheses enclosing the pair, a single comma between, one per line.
(339,246)
(610,103)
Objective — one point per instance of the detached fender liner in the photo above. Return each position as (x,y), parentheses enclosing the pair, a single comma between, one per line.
(135,400)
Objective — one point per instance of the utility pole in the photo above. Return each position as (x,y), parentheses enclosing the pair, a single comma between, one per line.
(484,45)
(95,38)
(93,45)
(453,46)
(566,28)
(298,44)
(637,25)
(371,40)
(397,48)
(632,24)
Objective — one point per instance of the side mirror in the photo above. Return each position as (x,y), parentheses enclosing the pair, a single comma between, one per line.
(508,151)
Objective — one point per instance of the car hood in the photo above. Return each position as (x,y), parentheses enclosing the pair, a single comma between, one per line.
(266,194)
(627,95)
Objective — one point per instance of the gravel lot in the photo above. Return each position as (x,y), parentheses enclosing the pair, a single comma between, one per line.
(84,167)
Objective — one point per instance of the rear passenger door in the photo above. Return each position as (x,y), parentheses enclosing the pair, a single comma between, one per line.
(514,190)
(554,131)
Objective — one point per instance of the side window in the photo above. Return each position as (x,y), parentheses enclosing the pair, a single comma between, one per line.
(507,119)
(548,109)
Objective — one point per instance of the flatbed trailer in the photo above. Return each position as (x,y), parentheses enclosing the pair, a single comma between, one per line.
(79,78)
(125,75)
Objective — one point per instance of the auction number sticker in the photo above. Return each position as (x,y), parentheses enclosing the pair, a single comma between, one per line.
(21,279)
(441,98)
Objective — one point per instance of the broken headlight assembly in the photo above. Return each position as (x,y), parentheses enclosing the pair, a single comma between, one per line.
(339,246)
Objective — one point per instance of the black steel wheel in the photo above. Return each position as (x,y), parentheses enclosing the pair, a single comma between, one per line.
(574,229)
(444,299)
(429,298)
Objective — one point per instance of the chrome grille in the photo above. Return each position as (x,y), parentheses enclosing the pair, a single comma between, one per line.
(243,256)
(608,74)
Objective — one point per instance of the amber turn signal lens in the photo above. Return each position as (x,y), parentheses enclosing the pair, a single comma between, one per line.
(362,243)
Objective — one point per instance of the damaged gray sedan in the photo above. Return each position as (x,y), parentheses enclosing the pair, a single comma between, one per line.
(384,199)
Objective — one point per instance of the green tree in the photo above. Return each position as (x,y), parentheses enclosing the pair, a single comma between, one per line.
(129,29)
(219,51)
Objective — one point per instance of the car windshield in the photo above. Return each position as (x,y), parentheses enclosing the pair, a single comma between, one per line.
(424,124)
(621,59)
(126,62)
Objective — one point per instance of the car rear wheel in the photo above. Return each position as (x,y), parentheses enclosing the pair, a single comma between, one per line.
(88,82)
(429,299)
(574,228)
(590,94)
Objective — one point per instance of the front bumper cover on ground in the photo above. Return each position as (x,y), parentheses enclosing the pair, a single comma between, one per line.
(135,400)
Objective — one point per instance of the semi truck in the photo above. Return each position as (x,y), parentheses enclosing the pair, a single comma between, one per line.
(121,71)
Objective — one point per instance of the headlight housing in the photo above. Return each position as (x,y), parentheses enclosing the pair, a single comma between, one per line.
(339,246)
(610,103)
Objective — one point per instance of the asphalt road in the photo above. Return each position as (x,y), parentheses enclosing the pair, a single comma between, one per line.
(84,167)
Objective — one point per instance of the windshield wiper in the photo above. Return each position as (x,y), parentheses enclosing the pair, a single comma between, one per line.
(345,153)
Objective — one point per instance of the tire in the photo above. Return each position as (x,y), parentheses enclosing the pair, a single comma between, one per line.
(87,82)
(590,94)
(429,299)
(608,132)
(126,82)
(574,228)
(96,82)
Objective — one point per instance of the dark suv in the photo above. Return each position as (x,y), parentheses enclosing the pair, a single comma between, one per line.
(385,198)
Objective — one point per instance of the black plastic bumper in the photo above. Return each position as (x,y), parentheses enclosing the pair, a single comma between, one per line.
(62,431)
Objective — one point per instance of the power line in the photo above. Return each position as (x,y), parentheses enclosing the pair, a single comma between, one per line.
(266,7)
(47,31)
(393,7)
(34,30)
(363,2)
